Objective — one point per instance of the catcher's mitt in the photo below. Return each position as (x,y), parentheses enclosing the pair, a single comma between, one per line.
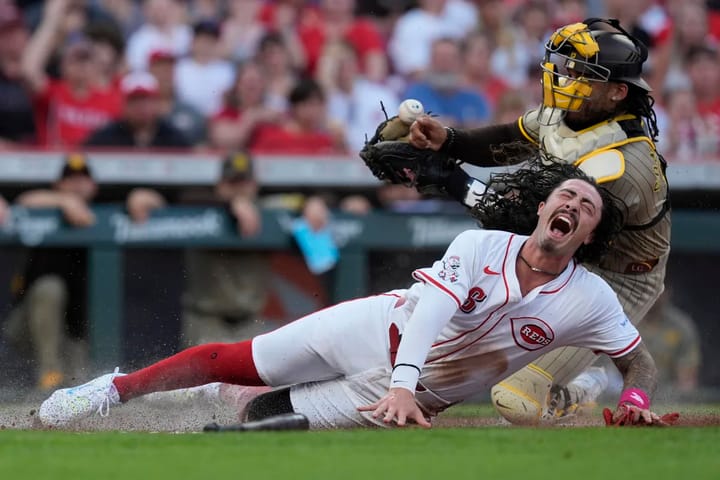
(391,158)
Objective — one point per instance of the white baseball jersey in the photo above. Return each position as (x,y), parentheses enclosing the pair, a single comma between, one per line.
(341,357)
(495,330)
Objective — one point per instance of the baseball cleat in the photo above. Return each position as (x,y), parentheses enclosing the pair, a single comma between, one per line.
(522,398)
(68,405)
(564,405)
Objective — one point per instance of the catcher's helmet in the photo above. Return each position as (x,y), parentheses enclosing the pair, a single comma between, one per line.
(596,50)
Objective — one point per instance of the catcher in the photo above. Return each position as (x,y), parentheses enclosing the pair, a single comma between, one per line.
(596,114)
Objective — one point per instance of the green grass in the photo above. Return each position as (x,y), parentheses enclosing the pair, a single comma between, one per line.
(442,454)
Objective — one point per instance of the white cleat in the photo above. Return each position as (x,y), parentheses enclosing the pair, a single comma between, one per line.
(68,405)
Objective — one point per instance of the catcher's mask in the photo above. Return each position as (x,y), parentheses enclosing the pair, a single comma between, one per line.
(577,55)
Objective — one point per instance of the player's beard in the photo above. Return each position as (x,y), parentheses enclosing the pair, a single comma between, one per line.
(591,113)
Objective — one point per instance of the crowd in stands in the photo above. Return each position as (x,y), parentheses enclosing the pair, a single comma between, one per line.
(308,76)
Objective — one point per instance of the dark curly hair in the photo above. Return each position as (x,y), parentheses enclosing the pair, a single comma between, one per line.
(511,199)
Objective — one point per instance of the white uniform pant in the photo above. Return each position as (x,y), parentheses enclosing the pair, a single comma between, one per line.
(336,360)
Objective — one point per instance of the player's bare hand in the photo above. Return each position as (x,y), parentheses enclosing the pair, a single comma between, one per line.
(76,211)
(247,216)
(427,132)
(141,201)
(399,405)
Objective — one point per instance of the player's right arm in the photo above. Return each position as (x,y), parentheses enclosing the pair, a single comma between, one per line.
(473,146)
(432,312)
(446,285)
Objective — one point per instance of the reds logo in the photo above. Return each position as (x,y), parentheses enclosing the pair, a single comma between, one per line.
(450,269)
(531,333)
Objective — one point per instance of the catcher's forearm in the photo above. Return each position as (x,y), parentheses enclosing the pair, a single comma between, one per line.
(638,370)
(475,146)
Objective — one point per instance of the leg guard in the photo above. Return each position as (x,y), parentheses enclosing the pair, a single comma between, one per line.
(268,404)
(522,398)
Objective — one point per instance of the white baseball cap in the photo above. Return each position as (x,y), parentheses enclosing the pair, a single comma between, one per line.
(139,84)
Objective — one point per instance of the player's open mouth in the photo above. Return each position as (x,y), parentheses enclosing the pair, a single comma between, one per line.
(561,225)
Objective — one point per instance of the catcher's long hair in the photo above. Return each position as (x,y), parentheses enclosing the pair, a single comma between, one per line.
(511,200)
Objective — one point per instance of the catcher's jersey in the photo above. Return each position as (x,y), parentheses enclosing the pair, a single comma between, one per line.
(496,330)
(639,182)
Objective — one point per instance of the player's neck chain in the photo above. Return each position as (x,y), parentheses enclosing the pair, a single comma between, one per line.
(536,269)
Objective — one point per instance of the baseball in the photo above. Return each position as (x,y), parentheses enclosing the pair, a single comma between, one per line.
(409,110)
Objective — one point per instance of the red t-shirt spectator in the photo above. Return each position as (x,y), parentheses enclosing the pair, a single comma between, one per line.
(361,34)
(63,119)
(281,139)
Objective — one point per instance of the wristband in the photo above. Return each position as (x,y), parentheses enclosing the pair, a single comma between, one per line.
(449,140)
(635,396)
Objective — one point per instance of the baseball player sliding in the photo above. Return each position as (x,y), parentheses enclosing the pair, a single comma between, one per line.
(494,302)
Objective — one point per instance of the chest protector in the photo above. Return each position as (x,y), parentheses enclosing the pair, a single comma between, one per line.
(595,150)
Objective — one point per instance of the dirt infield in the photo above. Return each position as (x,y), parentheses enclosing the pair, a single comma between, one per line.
(145,417)
(693,419)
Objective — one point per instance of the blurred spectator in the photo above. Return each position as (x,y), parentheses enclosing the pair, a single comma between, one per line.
(522,45)
(164,30)
(354,102)
(415,31)
(108,49)
(179,114)
(510,106)
(688,136)
(204,10)
(278,15)
(68,108)
(283,17)
(242,30)
(703,66)
(567,12)
(494,17)
(649,22)
(127,13)
(690,30)
(335,21)
(305,130)
(442,92)
(384,13)
(279,73)
(246,108)
(142,123)
(225,290)
(49,319)
(18,124)
(202,78)
(672,338)
(478,77)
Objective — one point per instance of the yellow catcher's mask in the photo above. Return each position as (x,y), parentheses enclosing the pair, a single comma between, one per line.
(569,67)
(563,92)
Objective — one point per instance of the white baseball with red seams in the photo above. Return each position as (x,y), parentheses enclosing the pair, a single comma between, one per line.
(493,332)
(409,110)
